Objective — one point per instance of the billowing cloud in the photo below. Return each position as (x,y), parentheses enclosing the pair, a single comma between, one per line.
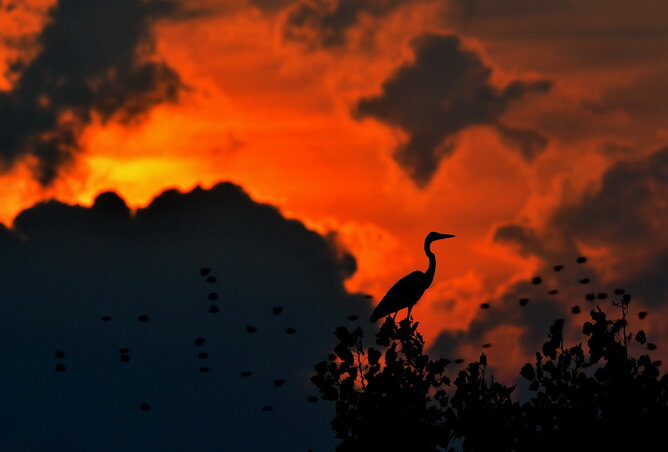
(324,23)
(445,90)
(624,218)
(624,215)
(67,267)
(96,58)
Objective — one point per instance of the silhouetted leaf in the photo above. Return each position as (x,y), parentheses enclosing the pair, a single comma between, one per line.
(486,345)
(60,367)
(581,260)
(558,268)
(344,353)
(528,372)
(250,329)
(204,369)
(105,318)
(575,309)
(584,281)
(199,341)
(202,355)
(246,373)
(352,317)
(373,355)
(204,271)
(290,331)
(321,367)
(587,328)
(277,310)
(279,382)
(213,309)
(212,296)
(59,354)
(618,325)
(640,337)
(346,338)
(143,318)
(267,408)
(125,358)
(524,301)
(144,406)
(619,291)
(211,279)
(651,346)
(556,330)
(642,314)
(590,297)
(536,280)
(484,306)
(602,296)
(553,292)
(549,349)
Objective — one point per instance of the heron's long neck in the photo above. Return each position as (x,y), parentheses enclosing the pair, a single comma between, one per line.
(431,270)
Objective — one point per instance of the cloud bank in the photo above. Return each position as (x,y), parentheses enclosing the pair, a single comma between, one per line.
(96,59)
(65,268)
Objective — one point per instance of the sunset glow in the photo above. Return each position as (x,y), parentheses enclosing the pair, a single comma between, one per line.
(278,117)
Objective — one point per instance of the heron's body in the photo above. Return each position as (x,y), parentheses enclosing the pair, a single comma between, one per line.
(409,289)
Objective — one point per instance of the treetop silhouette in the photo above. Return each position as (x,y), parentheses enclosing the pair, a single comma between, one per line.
(393,396)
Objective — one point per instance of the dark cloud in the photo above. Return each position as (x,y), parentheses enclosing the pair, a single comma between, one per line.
(96,57)
(270,5)
(524,238)
(529,142)
(625,36)
(67,267)
(324,23)
(626,215)
(445,90)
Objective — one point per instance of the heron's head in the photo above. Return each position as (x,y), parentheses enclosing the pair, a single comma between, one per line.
(433,236)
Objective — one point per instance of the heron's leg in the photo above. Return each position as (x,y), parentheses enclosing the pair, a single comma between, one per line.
(394,317)
(408,315)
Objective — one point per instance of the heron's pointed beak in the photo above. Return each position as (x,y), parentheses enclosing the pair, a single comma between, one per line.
(444,236)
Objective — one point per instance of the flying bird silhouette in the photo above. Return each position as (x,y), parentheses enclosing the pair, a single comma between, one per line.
(409,289)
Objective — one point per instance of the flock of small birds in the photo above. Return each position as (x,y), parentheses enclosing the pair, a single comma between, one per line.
(575,309)
(205,272)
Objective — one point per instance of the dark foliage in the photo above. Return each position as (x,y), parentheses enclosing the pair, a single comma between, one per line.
(392,396)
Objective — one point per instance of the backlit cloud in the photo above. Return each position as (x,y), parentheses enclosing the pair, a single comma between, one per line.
(96,58)
(445,90)
(324,23)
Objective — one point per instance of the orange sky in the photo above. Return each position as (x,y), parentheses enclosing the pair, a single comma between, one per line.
(275,117)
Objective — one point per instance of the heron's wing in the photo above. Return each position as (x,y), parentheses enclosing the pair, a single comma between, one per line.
(406,292)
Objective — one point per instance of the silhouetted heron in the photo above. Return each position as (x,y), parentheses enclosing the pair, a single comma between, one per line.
(409,289)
